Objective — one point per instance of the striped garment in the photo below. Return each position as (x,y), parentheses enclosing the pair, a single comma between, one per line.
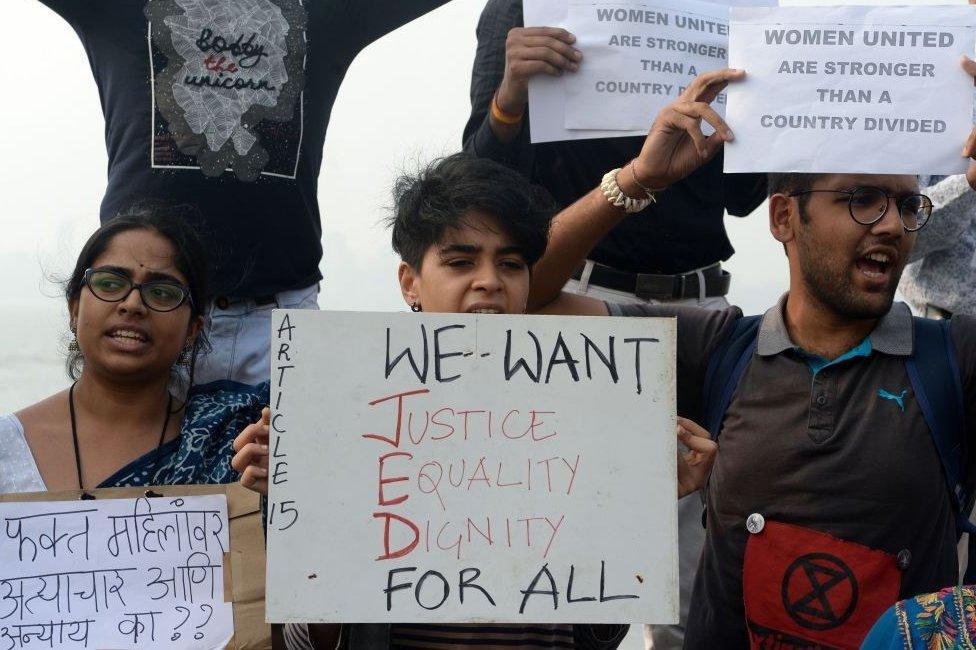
(485,636)
(481,637)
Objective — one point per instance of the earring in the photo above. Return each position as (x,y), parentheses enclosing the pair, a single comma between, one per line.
(73,343)
(415,307)
(186,354)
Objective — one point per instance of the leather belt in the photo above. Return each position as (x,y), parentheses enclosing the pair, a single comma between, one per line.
(223,302)
(652,286)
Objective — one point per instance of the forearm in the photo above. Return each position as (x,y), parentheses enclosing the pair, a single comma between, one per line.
(505,132)
(482,141)
(484,135)
(674,148)
(573,234)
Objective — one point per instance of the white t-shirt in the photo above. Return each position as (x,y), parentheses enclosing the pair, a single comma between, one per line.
(18,471)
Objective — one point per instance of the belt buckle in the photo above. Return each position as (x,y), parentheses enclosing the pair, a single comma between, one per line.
(654,287)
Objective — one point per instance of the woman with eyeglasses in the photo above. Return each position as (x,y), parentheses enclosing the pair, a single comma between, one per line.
(135,302)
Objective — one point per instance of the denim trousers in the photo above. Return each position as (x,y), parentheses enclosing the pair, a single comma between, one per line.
(239,333)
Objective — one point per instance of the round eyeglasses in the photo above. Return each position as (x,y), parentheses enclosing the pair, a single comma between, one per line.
(158,295)
(868,205)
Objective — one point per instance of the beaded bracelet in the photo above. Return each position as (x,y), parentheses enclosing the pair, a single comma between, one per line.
(611,190)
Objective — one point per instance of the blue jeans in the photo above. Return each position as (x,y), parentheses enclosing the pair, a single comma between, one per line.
(239,331)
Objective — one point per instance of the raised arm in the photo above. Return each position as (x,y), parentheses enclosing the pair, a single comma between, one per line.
(508,55)
(73,11)
(374,19)
(674,148)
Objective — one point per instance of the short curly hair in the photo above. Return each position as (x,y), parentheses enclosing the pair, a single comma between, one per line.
(442,194)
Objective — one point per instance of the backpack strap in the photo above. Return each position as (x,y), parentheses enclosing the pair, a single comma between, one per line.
(933,370)
(725,367)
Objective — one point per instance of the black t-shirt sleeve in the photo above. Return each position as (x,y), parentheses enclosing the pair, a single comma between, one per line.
(699,331)
(497,19)
(744,193)
(74,11)
(371,20)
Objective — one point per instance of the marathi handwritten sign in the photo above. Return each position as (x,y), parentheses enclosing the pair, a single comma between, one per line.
(114,573)
(459,468)
(850,89)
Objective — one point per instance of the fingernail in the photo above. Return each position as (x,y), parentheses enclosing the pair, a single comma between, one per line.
(572,38)
(729,135)
(264,449)
(573,67)
(577,55)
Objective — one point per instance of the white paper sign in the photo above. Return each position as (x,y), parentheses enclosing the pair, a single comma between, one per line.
(850,89)
(114,573)
(548,98)
(461,468)
(547,95)
(639,57)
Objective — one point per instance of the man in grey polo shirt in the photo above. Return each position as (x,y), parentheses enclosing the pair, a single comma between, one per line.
(827,502)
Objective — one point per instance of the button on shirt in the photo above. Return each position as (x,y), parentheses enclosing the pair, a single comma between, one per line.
(839,447)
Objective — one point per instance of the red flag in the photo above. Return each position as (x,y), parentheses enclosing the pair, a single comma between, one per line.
(805,589)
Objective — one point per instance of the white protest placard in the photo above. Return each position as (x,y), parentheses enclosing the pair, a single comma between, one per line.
(850,89)
(463,468)
(114,573)
(639,56)
(547,95)
(549,100)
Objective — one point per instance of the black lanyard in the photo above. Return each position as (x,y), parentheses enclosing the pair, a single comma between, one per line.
(74,435)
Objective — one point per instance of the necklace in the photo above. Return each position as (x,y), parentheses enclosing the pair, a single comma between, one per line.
(74,434)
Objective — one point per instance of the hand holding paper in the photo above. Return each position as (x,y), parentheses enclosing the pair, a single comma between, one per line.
(531,51)
(850,89)
(251,459)
(676,146)
(695,464)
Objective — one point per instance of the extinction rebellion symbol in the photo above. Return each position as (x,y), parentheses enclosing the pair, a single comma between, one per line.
(819,591)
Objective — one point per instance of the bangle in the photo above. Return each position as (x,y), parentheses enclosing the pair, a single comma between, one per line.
(651,194)
(502,116)
(616,197)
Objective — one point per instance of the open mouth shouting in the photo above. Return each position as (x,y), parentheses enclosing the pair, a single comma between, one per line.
(877,266)
(128,337)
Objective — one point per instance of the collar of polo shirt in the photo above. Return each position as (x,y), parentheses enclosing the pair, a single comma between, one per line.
(893,334)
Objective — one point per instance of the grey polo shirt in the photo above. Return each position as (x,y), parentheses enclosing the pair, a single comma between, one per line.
(830,451)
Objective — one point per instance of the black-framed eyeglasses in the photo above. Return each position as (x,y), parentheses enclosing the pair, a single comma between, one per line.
(868,205)
(158,295)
